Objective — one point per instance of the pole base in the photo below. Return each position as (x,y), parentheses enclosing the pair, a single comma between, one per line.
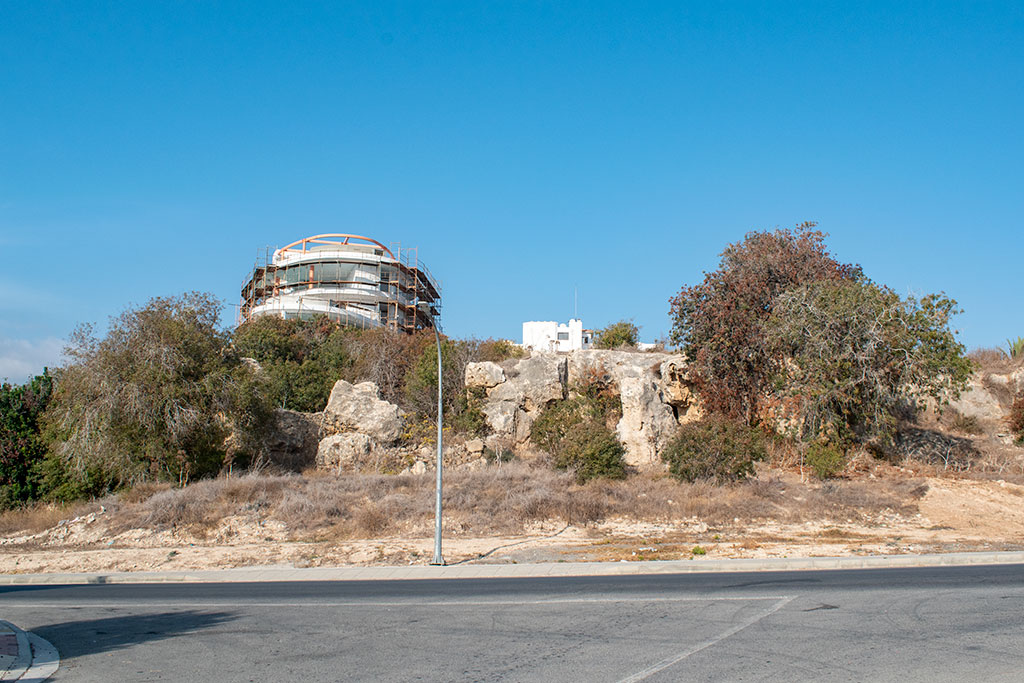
(438,562)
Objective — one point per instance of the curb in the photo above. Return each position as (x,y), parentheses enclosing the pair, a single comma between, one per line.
(36,661)
(21,662)
(479,571)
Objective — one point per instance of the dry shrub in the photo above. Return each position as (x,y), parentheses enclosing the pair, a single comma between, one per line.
(932,447)
(1016,419)
(994,361)
(966,424)
(370,520)
(502,500)
(142,492)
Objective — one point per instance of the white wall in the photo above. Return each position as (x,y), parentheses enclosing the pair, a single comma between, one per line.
(548,335)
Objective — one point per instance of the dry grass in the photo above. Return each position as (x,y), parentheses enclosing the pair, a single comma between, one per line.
(38,517)
(994,361)
(500,500)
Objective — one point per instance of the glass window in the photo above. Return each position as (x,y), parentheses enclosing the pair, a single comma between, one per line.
(562,336)
(292,275)
(346,272)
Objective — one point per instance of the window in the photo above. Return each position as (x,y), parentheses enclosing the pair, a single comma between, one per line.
(562,336)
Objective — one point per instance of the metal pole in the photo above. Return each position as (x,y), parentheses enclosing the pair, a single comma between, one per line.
(438,559)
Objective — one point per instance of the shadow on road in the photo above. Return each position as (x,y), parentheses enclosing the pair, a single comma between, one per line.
(91,636)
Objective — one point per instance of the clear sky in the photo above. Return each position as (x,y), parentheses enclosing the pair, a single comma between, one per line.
(527,148)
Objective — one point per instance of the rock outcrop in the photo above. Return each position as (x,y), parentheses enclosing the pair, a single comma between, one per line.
(654,395)
(652,387)
(292,442)
(989,396)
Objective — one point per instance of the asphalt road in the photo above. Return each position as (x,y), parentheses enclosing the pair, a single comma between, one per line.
(931,624)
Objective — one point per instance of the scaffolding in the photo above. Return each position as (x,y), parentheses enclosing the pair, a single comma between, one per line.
(353,280)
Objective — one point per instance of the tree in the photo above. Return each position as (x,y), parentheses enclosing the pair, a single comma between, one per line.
(301,359)
(421,378)
(720,322)
(21,446)
(156,398)
(617,335)
(857,354)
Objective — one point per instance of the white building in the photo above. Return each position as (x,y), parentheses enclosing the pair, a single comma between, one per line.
(350,279)
(554,336)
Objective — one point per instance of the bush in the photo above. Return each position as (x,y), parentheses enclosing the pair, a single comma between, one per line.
(301,359)
(576,434)
(617,335)
(715,448)
(553,424)
(497,350)
(826,460)
(1017,417)
(590,450)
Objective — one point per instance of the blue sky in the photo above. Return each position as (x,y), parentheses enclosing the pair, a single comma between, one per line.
(527,148)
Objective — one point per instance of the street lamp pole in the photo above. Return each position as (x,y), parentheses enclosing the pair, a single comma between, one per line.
(438,559)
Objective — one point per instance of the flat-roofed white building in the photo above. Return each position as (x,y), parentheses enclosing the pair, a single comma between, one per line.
(548,335)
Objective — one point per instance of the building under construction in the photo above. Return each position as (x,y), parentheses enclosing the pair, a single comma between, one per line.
(350,279)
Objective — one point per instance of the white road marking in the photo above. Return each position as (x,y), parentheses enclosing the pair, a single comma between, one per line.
(387,603)
(676,658)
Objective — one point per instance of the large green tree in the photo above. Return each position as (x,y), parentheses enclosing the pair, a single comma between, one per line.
(857,355)
(720,321)
(21,446)
(157,397)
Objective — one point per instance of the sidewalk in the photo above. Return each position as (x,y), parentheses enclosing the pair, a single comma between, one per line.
(25,656)
(479,571)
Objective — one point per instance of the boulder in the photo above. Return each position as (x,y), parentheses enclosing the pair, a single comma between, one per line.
(344,452)
(475,446)
(359,408)
(484,374)
(534,382)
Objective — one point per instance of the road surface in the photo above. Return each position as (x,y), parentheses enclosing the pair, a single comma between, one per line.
(927,624)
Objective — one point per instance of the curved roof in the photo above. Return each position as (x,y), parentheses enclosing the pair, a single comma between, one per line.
(334,239)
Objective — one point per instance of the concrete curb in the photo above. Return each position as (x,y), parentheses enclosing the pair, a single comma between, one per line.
(23,660)
(479,571)
(45,660)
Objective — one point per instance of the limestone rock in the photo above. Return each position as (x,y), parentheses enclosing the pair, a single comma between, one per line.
(647,422)
(475,446)
(978,402)
(344,452)
(359,408)
(655,394)
(484,374)
(501,416)
(535,381)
